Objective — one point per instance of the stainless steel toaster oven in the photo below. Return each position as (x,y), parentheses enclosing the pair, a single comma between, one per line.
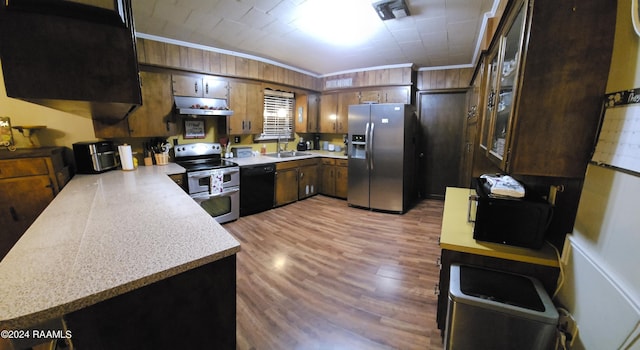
(94,157)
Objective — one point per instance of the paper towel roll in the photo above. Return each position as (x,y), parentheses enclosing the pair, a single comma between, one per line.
(126,157)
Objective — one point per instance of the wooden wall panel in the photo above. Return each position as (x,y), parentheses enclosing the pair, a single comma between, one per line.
(254,70)
(372,78)
(444,79)
(167,55)
(451,78)
(155,52)
(382,77)
(267,72)
(465,76)
(140,51)
(209,62)
(172,55)
(213,65)
(242,67)
(190,58)
(231,66)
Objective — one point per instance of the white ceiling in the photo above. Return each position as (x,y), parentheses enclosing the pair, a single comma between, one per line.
(438,33)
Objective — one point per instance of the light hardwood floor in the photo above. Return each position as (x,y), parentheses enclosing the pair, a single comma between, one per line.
(318,274)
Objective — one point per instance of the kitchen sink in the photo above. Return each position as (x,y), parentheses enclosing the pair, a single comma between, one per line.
(287,154)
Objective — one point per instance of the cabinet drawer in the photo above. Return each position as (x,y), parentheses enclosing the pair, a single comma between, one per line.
(22,167)
(307,162)
(328,161)
(287,165)
(342,162)
(296,163)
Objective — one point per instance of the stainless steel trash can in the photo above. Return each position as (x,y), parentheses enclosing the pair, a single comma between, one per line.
(491,309)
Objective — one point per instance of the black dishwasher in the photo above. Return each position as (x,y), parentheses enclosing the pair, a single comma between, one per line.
(257,188)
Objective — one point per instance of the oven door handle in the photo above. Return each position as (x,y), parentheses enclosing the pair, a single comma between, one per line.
(225,192)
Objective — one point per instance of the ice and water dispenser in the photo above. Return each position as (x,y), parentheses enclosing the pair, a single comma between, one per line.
(358,147)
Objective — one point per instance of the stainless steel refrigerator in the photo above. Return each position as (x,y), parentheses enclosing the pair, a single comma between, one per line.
(382,144)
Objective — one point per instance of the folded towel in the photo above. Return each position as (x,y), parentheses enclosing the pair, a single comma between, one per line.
(504,185)
(216,182)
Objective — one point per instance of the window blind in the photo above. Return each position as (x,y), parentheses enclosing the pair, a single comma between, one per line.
(278,115)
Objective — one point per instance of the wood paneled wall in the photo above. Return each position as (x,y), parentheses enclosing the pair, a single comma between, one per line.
(155,53)
(376,77)
(160,54)
(444,79)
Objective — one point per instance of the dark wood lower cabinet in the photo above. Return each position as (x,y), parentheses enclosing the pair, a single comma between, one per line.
(192,310)
(29,180)
(334,177)
(296,180)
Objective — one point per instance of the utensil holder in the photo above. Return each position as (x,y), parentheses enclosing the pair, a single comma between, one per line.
(162,159)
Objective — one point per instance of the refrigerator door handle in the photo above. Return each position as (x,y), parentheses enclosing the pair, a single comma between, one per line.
(366,145)
(371,146)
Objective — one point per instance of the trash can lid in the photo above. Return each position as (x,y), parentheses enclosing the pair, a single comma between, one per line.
(500,291)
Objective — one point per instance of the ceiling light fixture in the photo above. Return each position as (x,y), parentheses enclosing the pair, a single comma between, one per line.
(338,22)
(389,9)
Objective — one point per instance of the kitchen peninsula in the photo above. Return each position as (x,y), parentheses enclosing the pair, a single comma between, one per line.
(128,259)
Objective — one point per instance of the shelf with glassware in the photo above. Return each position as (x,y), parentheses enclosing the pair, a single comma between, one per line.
(541,97)
(502,85)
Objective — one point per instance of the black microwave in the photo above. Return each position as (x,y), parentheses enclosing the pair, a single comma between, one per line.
(521,222)
(94,157)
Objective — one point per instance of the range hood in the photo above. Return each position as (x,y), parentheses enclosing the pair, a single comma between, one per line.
(76,58)
(202,106)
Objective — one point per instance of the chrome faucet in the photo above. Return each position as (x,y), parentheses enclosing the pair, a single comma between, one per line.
(278,146)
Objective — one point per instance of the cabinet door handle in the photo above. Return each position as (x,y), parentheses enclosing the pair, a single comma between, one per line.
(249,125)
(14,214)
(439,262)
(195,87)
(491,100)
(436,289)
(206,88)
(243,125)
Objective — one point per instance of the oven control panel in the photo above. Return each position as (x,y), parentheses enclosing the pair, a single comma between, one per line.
(197,149)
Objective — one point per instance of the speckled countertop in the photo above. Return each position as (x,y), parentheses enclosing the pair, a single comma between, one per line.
(102,236)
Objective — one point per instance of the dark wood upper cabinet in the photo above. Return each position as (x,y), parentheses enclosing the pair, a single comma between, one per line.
(72,57)
(546,72)
(155,118)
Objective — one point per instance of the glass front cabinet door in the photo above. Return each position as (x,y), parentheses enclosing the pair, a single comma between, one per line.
(503,68)
(492,95)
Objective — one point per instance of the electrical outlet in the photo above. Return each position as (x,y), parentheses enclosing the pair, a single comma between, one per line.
(236,139)
(567,325)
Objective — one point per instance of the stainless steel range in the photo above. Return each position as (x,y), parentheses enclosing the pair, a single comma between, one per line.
(212,182)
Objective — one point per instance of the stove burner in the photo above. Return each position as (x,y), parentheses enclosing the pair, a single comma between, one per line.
(201,156)
(205,164)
